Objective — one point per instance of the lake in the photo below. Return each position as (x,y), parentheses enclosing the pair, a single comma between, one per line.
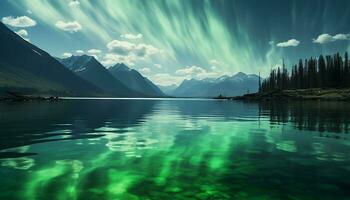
(174,149)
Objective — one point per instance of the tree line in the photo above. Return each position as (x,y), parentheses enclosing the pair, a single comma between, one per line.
(324,72)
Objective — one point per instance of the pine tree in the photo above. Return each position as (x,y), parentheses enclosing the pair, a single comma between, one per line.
(279,78)
(301,75)
(346,80)
(329,71)
(259,83)
(322,72)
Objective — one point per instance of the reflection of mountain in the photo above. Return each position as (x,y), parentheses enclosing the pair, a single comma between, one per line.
(42,122)
(314,116)
(235,85)
(332,117)
(114,113)
(212,108)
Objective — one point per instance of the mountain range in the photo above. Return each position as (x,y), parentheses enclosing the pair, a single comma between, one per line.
(89,69)
(119,79)
(27,69)
(235,85)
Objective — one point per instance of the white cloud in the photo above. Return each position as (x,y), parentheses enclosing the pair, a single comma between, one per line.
(159,66)
(120,47)
(112,59)
(22,33)
(94,51)
(145,70)
(187,72)
(131,36)
(127,48)
(289,43)
(341,36)
(166,79)
(145,50)
(95,56)
(22,21)
(323,38)
(190,70)
(74,3)
(327,38)
(196,72)
(72,27)
(66,55)
(79,51)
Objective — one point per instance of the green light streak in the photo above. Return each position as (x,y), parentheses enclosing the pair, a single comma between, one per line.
(188,34)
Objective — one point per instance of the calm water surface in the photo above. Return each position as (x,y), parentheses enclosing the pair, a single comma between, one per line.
(174,149)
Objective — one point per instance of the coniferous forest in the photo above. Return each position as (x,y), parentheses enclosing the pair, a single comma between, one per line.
(324,72)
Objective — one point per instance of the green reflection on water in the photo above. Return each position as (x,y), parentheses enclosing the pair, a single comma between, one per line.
(162,157)
(174,156)
(57,181)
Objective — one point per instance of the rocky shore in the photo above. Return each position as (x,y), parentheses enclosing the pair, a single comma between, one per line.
(15,97)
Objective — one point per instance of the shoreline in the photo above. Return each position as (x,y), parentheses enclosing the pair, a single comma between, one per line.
(313,94)
(15,97)
(318,94)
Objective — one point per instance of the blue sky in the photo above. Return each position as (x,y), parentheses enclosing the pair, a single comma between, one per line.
(169,41)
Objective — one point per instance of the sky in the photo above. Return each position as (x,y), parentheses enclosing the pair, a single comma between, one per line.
(172,40)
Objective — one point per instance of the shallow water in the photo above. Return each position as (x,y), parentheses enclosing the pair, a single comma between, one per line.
(174,149)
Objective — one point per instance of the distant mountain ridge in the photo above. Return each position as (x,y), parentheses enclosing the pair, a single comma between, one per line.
(134,80)
(26,68)
(235,85)
(88,68)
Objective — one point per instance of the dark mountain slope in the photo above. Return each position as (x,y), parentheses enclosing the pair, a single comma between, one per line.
(134,80)
(25,66)
(88,68)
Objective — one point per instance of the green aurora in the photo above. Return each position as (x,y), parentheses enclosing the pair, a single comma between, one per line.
(188,38)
